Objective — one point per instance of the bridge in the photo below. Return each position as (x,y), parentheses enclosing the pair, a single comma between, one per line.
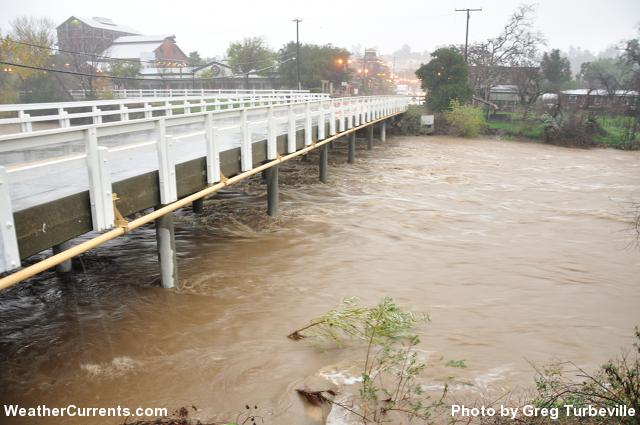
(79,168)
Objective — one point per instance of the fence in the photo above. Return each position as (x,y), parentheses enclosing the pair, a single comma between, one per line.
(22,118)
(133,93)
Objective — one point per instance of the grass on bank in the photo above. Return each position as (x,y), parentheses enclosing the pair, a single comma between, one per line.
(570,128)
(530,129)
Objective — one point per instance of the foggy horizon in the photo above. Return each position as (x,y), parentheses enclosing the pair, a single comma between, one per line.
(424,26)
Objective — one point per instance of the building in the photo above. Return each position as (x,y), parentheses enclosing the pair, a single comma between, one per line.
(620,100)
(505,96)
(152,51)
(372,73)
(482,78)
(90,35)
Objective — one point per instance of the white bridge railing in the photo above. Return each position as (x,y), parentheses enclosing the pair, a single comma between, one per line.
(133,93)
(22,118)
(196,133)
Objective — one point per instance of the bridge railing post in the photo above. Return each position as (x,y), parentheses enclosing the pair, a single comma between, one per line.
(25,124)
(148,113)
(124,114)
(63,120)
(213,150)
(308,139)
(9,252)
(332,117)
(166,165)
(291,136)
(246,154)
(100,194)
(321,124)
(96,118)
(350,115)
(356,113)
(272,145)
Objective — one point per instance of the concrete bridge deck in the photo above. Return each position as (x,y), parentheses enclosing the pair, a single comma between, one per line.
(58,184)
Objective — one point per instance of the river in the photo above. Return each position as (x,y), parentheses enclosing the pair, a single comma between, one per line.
(519,252)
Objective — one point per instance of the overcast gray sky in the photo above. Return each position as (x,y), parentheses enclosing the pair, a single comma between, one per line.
(209,26)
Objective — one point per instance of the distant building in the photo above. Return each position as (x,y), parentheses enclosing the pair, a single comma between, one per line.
(372,73)
(90,35)
(500,76)
(153,51)
(623,100)
(506,96)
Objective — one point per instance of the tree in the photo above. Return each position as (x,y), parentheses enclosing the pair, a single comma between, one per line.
(251,54)
(126,70)
(631,57)
(29,42)
(607,74)
(556,71)
(26,33)
(445,78)
(195,59)
(516,45)
(318,62)
(528,82)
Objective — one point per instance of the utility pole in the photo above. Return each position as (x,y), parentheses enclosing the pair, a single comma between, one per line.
(466,38)
(364,73)
(297,21)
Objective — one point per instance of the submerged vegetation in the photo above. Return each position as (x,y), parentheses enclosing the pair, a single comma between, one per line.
(616,383)
(388,386)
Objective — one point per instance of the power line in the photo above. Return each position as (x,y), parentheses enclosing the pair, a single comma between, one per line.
(113,77)
(55,49)
(62,71)
(96,56)
(466,38)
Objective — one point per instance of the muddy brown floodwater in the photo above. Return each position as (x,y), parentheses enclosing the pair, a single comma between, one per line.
(518,251)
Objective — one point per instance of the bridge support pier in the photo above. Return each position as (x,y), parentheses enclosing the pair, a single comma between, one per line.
(370,137)
(198,206)
(165,237)
(272,191)
(383,131)
(351,157)
(65,266)
(324,162)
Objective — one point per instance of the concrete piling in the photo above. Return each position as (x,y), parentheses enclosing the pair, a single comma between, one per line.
(272,191)
(351,157)
(383,131)
(198,206)
(324,160)
(65,266)
(165,237)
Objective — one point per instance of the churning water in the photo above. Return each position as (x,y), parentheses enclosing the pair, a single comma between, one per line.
(519,252)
